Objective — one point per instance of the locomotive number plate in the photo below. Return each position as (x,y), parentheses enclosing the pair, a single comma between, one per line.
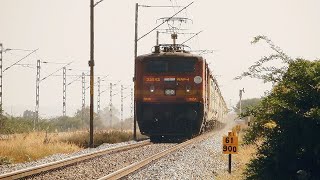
(152,79)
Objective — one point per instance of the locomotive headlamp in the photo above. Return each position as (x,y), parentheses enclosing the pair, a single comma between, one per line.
(188,88)
(169,92)
(152,88)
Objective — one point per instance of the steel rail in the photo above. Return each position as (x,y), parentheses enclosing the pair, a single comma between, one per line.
(138,165)
(57,164)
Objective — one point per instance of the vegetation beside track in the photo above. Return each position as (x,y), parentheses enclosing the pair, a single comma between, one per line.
(245,154)
(109,136)
(25,147)
(20,142)
(16,148)
(286,120)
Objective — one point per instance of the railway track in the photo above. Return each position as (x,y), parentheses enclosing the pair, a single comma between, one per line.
(69,161)
(51,170)
(121,173)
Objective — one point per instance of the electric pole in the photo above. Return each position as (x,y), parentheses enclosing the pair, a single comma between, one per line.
(157,41)
(240,95)
(64,91)
(110,105)
(131,102)
(83,97)
(37,95)
(91,64)
(1,50)
(135,56)
(121,115)
(98,99)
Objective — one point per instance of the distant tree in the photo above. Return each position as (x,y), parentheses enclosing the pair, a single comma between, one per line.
(127,124)
(287,120)
(28,114)
(65,123)
(105,116)
(3,120)
(84,117)
(246,103)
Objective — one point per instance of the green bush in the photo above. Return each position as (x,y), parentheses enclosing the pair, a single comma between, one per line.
(287,121)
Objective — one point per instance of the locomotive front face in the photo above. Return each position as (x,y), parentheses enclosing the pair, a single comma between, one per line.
(169,94)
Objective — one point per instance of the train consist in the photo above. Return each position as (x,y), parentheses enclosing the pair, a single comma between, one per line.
(176,94)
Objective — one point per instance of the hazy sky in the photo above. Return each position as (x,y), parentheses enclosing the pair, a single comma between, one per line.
(60,29)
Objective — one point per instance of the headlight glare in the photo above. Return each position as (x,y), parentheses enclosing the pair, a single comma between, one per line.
(152,88)
(188,89)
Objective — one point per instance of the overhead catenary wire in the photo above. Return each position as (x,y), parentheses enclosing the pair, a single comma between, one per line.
(176,32)
(20,60)
(126,96)
(32,66)
(102,79)
(48,62)
(75,75)
(97,3)
(174,10)
(147,6)
(76,79)
(164,21)
(191,37)
(55,71)
(11,49)
(105,90)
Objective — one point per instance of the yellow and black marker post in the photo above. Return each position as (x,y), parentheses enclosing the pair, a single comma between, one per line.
(230,145)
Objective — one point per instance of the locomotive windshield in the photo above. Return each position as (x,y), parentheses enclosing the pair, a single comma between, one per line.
(171,64)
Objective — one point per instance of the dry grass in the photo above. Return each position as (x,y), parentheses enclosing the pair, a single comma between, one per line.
(36,145)
(110,136)
(245,153)
(32,146)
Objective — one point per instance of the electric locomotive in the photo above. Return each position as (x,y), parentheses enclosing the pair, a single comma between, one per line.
(175,93)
